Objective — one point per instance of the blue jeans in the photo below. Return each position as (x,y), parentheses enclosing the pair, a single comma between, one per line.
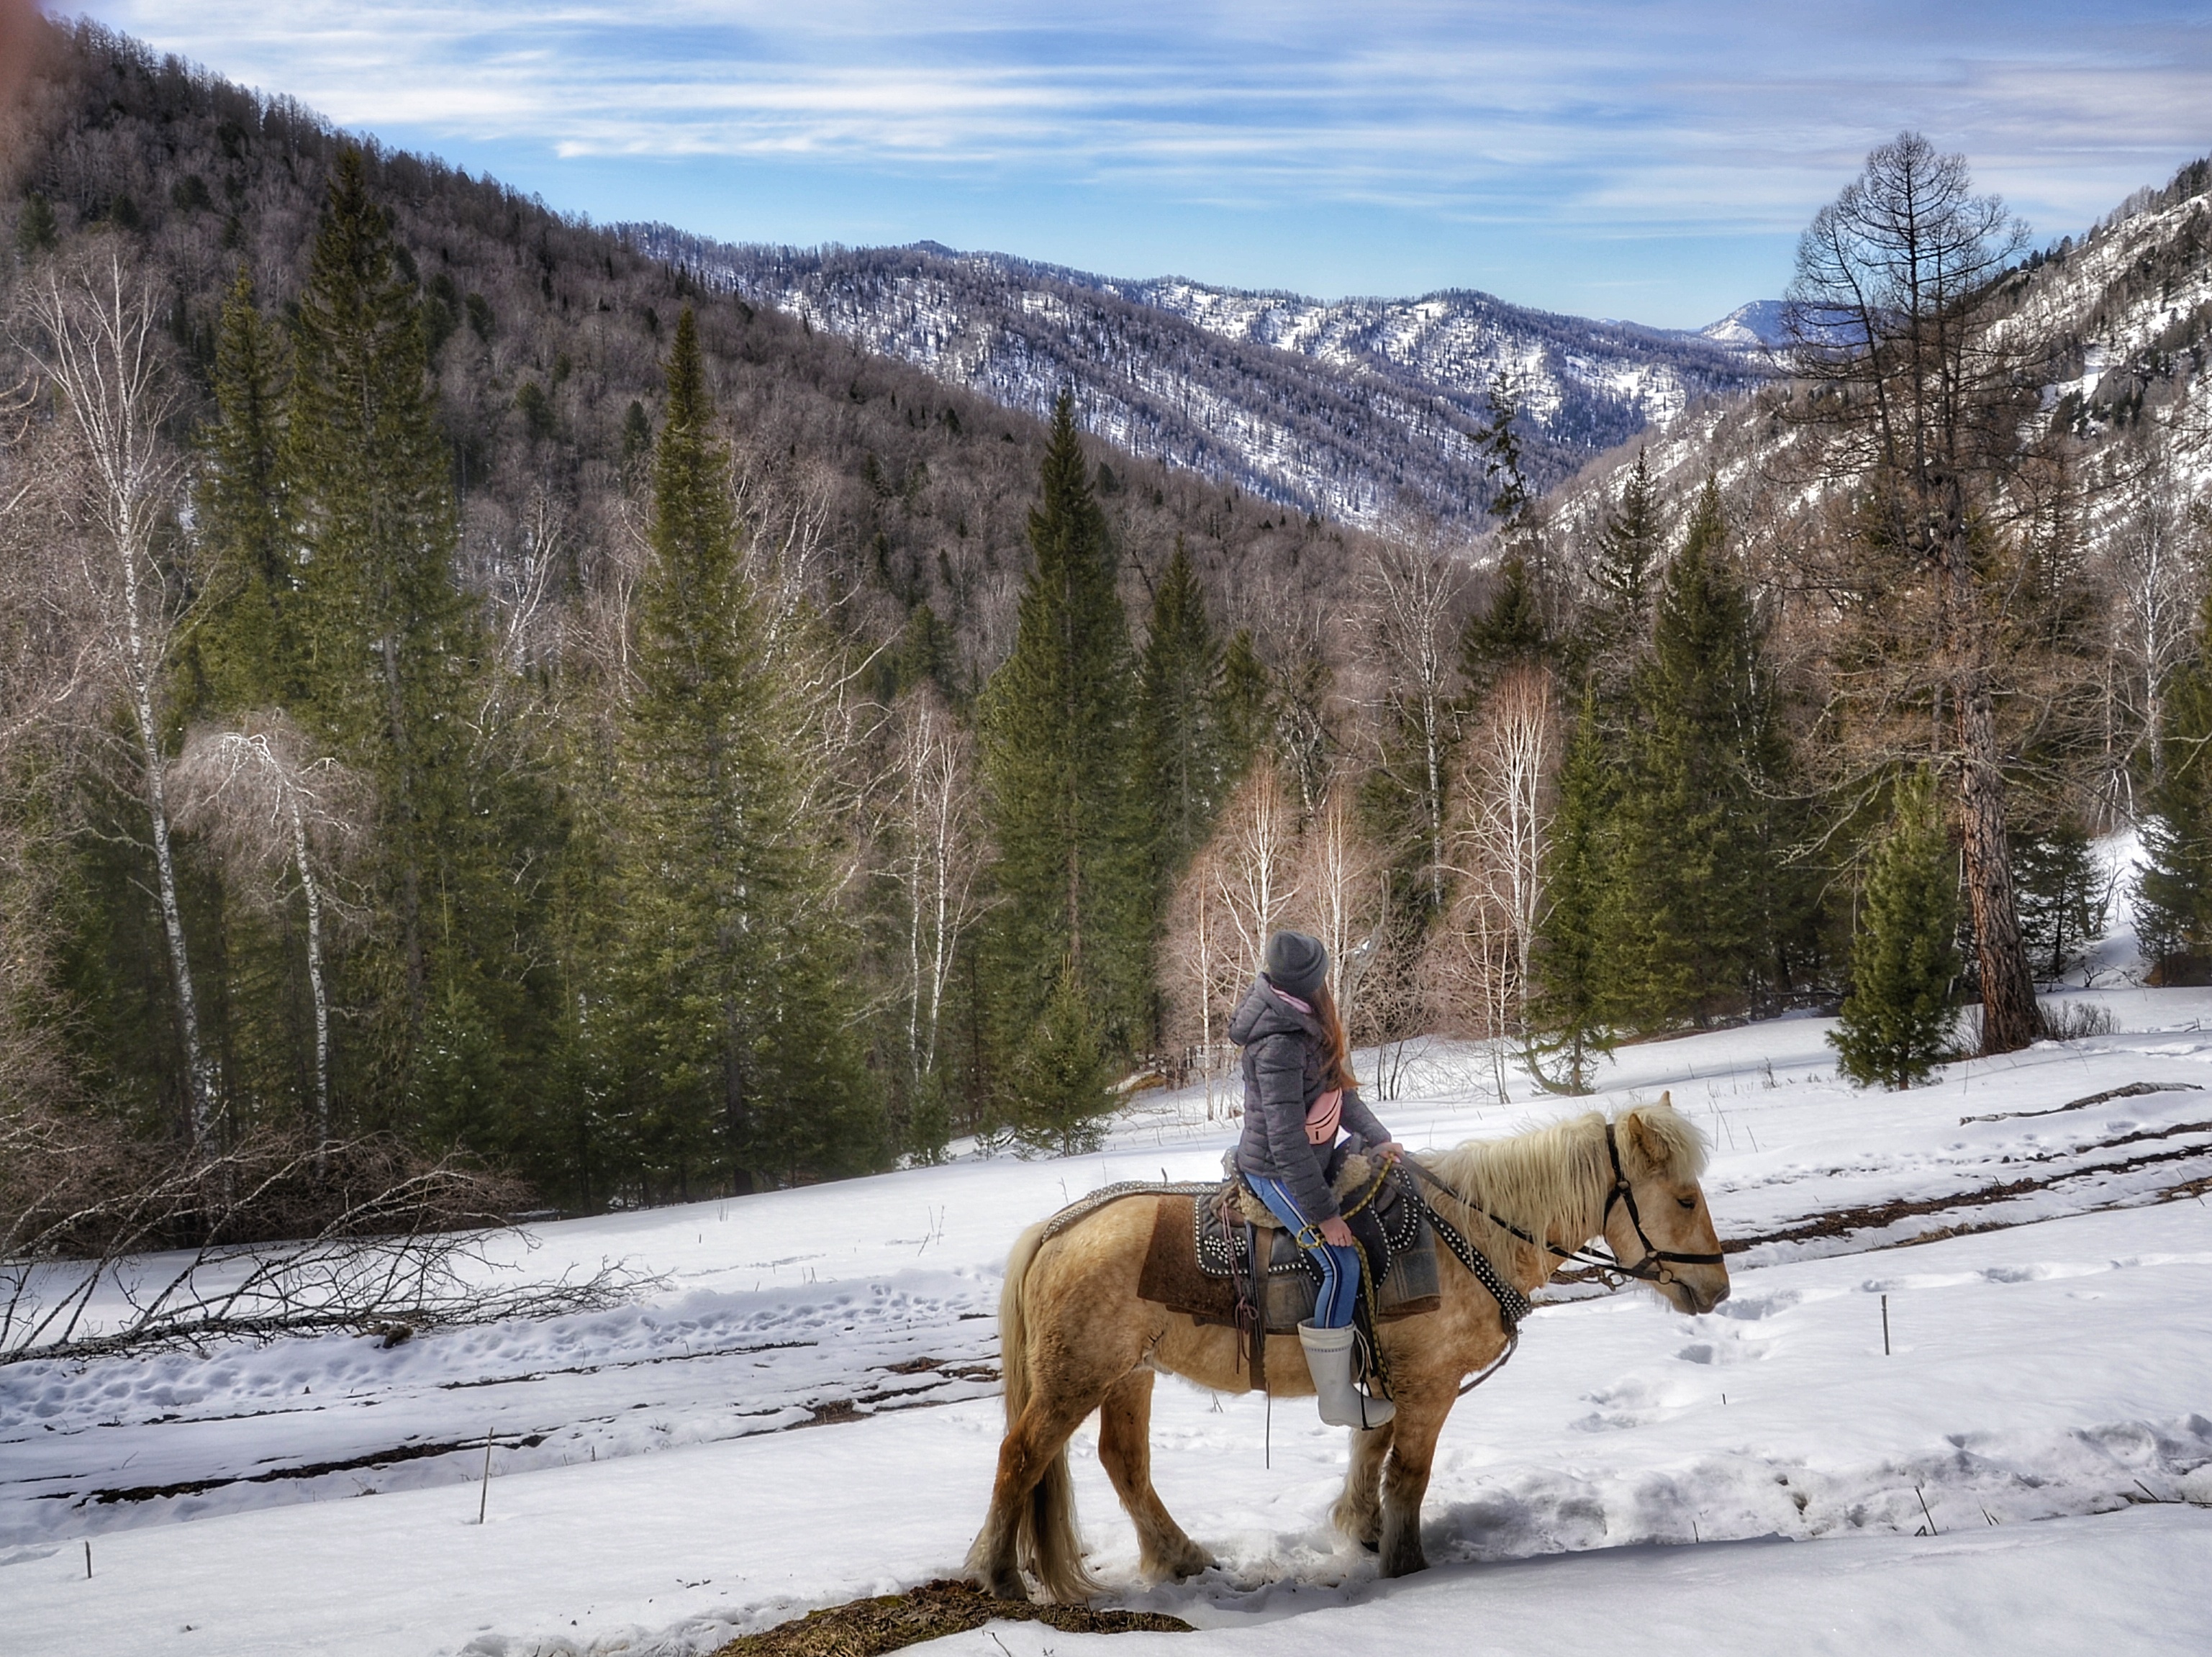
(1339,1267)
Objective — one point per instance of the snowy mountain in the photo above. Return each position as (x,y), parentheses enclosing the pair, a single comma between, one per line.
(1754,327)
(2122,321)
(1959,1400)
(1361,410)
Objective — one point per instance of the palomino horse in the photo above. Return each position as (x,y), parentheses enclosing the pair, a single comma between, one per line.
(1074,1337)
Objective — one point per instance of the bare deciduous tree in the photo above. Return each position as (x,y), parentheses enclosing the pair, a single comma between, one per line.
(936,857)
(1342,895)
(269,809)
(1238,889)
(1897,307)
(2154,561)
(1414,594)
(1479,964)
(93,334)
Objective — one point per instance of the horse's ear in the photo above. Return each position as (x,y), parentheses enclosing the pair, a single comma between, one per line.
(1666,1099)
(1648,1145)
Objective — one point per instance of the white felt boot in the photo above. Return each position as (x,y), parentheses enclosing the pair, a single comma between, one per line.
(1329,1359)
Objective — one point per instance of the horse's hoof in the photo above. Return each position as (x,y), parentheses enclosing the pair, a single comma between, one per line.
(1010,1587)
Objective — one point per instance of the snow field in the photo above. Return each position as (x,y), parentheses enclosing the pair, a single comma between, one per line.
(1629,1472)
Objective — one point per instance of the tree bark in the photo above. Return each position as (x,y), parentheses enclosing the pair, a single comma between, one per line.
(2010,1016)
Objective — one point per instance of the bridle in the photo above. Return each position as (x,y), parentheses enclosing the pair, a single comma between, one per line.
(1653,1265)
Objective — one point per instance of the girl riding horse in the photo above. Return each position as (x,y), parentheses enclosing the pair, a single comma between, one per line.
(1299,1096)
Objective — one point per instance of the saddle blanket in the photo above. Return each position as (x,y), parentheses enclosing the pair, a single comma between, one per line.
(1194,1246)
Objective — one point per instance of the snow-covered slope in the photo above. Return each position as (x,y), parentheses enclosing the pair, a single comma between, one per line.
(1360,410)
(2120,321)
(1757,326)
(1745,1482)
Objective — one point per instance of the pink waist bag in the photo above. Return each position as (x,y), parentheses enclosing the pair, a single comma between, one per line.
(1323,1117)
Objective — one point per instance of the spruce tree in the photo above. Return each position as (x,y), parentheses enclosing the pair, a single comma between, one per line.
(1058,762)
(732,1025)
(1246,718)
(1629,547)
(1691,914)
(1182,765)
(2173,904)
(383,637)
(1065,1091)
(247,649)
(1508,631)
(1569,1000)
(1898,1020)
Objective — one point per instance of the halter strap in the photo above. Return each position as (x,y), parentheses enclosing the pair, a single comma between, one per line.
(1651,1266)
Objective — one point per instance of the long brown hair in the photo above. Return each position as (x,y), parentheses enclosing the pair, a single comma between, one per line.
(1336,1053)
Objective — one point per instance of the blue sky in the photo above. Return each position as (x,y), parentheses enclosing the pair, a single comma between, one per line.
(1646,161)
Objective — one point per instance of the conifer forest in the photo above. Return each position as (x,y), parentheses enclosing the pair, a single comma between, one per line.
(475,693)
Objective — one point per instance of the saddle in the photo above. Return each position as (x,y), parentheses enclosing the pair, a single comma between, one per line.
(1201,1262)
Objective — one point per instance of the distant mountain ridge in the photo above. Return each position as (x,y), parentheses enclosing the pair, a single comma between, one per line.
(1362,411)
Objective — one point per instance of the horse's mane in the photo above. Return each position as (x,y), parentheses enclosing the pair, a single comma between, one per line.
(1547,1174)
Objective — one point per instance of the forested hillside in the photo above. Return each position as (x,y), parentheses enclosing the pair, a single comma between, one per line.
(402,418)
(472,686)
(1366,411)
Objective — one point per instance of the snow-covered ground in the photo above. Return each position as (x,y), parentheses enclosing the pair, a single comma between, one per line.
(1761,1478)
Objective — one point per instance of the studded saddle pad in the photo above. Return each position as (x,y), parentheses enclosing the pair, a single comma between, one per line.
(1194,1252)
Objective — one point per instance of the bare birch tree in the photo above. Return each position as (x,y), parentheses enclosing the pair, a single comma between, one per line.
(2154,562)
(94,335)
(1238,889)
(278,818)
(1413,595)
(936,857)
(1343,894)
(1478,966)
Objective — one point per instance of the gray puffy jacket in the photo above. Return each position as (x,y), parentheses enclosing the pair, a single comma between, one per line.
(1283,1057)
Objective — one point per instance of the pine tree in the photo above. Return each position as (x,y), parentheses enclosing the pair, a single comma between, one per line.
(1182,763)
(1569,1000)
(245,644)
(1498,437)
(733,1025)
(1058,762)
(1898,1019)
(1690,917)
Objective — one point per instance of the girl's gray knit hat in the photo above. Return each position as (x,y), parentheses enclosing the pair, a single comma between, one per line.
(1297,963)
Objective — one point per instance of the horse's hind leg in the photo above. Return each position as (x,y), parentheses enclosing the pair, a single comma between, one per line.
(1125,1446)
(1358,1511)
(1030,1466)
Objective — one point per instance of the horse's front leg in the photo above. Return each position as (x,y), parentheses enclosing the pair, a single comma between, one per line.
(1125,1446)
(1358,1511)
(1406,1481)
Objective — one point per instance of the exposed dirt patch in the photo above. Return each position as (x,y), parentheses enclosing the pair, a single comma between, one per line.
(865,1628)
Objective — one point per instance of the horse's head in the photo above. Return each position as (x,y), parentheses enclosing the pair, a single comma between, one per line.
(1656,1219)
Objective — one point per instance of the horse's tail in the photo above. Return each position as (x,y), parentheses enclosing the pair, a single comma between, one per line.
(1047,1542)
